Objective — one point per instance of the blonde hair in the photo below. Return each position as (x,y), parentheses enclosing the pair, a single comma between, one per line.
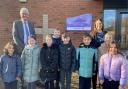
(48,35)
(109,34)
(94,31)
(8,45)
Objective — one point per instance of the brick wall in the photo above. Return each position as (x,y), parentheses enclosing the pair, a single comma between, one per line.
(58,11)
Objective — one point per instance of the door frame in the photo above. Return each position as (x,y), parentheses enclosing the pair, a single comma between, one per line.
(118,24)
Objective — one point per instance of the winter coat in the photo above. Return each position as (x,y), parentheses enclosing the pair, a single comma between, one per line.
(67,57)
(10,67)
(103,49)
(98,39)
(57,41)
(49,62)
(31,63)
(113,68)
(87,59)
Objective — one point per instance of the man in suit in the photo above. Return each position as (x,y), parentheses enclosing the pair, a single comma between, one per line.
(22,29)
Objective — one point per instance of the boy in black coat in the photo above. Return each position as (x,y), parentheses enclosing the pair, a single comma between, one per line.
(67,62)
(49,62)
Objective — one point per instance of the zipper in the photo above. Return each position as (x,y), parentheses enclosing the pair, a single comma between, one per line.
(31,66)
(86,56)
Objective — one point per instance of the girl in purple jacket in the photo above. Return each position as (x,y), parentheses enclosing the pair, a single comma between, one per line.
(112,69)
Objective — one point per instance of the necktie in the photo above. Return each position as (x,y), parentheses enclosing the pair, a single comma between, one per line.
(26,29)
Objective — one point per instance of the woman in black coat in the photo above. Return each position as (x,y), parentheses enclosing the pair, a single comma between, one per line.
(49,62)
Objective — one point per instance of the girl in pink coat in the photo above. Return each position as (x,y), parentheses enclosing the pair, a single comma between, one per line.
(112,69)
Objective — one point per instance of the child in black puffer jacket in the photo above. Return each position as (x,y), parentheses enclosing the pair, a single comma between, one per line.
(67,62)
(49,62)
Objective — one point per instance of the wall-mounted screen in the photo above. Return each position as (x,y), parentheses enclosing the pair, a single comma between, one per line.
(82,22)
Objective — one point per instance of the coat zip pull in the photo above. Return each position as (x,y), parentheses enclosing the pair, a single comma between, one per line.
(86,54)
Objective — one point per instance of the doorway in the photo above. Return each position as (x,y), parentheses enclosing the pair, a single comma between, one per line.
(116,22)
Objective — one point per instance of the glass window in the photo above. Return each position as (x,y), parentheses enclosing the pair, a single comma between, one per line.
(109,21)
(124,30)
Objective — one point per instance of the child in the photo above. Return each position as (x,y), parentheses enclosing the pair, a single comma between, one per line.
(10,66)
(108,38)
(49,62)
(98,38)
(31,63)
(86,55)
(98,33)
(113,69)
(57,41)
(56,37)
(62,38)
(67,62)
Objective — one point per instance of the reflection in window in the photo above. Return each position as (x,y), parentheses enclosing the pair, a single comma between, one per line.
(109,21)
(124,31)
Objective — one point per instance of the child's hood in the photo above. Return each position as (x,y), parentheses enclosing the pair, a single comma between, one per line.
(35,46)
(86,46)
(45,45)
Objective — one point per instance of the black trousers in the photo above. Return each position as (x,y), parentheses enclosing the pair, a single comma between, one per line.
(49,85)
(65,79)
(84,83)
(94,81)
(94,77)
(57,81)
(11,85)
(110,84)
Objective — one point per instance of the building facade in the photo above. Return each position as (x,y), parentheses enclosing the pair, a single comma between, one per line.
(56,11)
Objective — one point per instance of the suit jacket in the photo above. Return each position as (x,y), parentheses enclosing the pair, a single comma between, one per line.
(18,33)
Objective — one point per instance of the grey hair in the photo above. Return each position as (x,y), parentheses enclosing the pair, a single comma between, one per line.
(24,10)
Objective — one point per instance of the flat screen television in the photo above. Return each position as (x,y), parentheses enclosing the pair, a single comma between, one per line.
(79,23)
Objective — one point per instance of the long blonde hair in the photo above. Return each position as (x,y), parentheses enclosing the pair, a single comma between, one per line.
(94,31)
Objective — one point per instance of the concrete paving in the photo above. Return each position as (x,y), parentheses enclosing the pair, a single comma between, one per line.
(1,84)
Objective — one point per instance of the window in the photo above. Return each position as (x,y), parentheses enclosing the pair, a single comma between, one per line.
(109,21)
(116,22)
(124,30)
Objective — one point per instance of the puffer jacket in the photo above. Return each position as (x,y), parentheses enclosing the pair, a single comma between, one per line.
(98,39)
(31,63)
(67,57)
(10,67)
(49,62)
(113,68)
(87,60)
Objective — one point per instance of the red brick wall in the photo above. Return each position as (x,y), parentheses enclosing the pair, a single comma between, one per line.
(58,11)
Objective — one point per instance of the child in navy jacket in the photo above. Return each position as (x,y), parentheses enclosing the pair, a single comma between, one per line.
(10,66)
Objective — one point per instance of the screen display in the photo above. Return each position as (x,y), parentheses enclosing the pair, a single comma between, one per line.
(82,22)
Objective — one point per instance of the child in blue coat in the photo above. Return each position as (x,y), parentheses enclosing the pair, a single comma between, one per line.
(86,55)
(10,66)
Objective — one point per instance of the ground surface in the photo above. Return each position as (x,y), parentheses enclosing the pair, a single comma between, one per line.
(74,82)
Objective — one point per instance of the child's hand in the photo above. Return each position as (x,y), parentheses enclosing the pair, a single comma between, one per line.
(77,72)
(120,87)
(18,78)
(101,82)
(0,78)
